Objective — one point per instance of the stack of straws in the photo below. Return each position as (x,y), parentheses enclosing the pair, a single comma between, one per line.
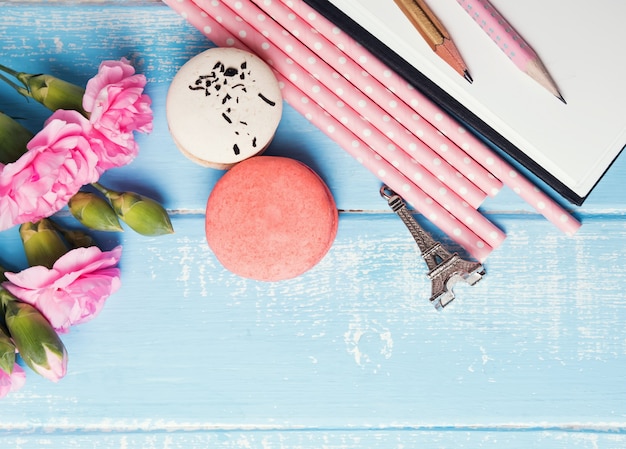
(408,142)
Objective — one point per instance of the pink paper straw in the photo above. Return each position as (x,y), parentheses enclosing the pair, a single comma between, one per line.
(449,224)
(433,144)
(534,196)
(427,116)
(396,134)
(263,41)
(448,126)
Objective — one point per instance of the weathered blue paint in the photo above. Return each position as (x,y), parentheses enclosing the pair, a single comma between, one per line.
(348,355)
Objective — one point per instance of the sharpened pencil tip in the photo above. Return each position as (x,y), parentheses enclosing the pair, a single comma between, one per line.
(468,77)
(560,97)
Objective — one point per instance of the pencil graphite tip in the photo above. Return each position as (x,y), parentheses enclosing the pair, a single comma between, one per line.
(468,77)
(560,97)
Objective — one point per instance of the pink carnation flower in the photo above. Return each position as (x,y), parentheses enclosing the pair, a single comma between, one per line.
(13,381)
(59,161)
(118,107)
(74,290)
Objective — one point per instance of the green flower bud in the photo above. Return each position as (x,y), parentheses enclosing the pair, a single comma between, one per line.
(52,92)
(142,214)
(94,212)
(43,244)
(13,139)
(7,350)
(37,342)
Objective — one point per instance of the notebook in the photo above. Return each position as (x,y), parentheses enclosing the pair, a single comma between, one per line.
(569,146)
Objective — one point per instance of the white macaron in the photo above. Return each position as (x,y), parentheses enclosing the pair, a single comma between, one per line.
(223,106)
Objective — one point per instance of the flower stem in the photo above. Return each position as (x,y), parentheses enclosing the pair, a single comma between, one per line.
(23,89)
(18,88)
(9,70)
(102,189)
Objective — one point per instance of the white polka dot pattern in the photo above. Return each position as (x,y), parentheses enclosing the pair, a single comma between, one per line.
(477,151)
(424,109)
(344,124)
(384,120)
(352,68)
(216,23)
(255,24)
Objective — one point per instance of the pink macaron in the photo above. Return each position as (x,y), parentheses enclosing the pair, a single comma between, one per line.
(270,218)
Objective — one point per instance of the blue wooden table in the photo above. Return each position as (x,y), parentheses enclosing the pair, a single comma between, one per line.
(350,354)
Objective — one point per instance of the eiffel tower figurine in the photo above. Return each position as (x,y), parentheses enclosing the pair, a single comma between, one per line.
(446,269)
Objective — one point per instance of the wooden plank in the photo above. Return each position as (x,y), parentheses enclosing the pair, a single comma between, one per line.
(353,342)
(327,439)
(350,354)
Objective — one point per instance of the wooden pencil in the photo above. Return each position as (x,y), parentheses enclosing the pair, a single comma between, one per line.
(434,33)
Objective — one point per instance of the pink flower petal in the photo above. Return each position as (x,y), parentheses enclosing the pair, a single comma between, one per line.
(118,108)
(59,161)
(74,290)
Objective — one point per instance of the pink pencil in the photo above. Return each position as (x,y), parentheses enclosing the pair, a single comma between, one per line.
(510,42)
(449,224)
